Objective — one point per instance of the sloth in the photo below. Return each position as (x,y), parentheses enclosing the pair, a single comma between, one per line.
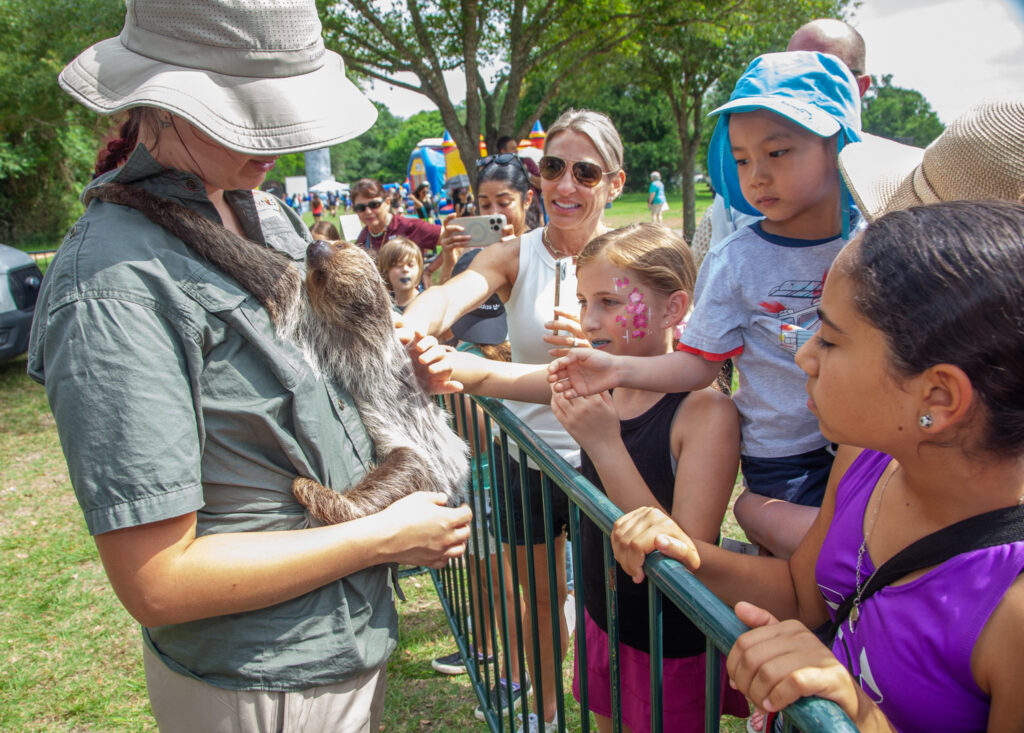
(340,316)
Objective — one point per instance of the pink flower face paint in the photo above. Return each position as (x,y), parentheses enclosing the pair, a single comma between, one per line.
(636,309)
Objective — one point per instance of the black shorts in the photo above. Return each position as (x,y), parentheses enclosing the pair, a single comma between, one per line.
(559,506)
(799,479)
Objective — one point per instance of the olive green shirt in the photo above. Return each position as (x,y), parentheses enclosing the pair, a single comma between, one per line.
(172,395)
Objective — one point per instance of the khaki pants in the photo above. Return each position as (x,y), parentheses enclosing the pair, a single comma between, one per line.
(185,705)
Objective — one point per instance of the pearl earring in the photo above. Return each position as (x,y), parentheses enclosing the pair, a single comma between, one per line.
(926,421)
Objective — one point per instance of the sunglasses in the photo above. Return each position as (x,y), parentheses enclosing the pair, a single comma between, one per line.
(501,159)
(586,174)
(375,204)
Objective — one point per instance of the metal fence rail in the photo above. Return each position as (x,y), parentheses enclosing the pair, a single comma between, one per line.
(473,596)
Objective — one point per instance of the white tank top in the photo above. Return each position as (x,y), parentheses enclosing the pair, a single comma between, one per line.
(529,306)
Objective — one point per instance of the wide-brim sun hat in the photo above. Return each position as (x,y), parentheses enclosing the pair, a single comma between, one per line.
(814,90)
(254,75)
(979,156)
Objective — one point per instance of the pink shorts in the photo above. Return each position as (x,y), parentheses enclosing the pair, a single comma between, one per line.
(682,686)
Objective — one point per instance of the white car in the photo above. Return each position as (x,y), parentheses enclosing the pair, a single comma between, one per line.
(20,279)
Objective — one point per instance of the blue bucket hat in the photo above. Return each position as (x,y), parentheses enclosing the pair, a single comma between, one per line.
(814,90)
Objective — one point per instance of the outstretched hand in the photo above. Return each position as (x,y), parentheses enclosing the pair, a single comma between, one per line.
(776,663)
(644,530)
(431,364)
(583,372)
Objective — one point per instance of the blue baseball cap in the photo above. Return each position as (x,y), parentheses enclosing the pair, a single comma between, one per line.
(815,90)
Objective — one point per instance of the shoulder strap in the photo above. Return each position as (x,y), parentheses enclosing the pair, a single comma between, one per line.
(998,527)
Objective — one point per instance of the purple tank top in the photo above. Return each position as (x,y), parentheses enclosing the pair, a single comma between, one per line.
(911,650)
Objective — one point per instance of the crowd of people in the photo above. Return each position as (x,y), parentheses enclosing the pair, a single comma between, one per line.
(870,295)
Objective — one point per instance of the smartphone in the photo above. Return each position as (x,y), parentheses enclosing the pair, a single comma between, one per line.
(482,230)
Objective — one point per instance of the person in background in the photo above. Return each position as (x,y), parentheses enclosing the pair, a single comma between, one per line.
(400,263)
(373,206)
(182,456)
(656,200)
(325,231)
(423,202)
(508,145)
(316,207)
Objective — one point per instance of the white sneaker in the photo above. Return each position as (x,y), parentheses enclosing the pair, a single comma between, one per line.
(569,609)
(533,724)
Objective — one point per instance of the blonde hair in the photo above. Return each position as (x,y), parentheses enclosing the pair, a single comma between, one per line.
(324,230)
(660,258)
(596,126)
(396,251)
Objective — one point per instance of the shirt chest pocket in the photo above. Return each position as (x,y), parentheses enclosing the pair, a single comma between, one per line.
(240,338)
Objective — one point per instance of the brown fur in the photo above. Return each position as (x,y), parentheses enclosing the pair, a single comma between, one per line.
(342,321)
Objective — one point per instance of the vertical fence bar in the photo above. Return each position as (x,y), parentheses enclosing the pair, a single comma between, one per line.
(654,644)
(612,604)
(554,594)
(538,671)
(581,624)
(712,688)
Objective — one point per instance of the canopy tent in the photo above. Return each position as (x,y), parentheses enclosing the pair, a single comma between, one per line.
(329,185)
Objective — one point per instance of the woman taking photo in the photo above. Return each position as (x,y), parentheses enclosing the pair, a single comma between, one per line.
(182,455)
(581,172)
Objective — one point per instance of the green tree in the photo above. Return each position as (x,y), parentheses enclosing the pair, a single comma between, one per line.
(429,37)
(899,114)
(47,141)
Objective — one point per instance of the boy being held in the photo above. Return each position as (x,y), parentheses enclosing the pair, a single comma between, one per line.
(773,152)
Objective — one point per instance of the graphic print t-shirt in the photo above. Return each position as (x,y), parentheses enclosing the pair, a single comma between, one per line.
(756,301)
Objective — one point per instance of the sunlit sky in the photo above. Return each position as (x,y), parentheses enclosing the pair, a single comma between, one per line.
(955,52)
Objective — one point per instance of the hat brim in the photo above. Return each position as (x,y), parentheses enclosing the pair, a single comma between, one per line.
(807,116)
(880,175)
(258,116)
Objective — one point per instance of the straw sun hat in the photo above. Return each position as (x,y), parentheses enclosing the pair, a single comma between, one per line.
(252,74)
(979,156)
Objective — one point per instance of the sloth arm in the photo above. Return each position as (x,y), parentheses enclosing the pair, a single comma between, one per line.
(163,573)
(492,271)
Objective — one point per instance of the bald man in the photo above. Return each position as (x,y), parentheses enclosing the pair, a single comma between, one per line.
(825,35)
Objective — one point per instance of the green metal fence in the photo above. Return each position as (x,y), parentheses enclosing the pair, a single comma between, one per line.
(497,436)
(476,612)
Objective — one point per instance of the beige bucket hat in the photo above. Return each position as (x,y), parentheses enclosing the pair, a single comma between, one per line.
(252,74)
(979,156)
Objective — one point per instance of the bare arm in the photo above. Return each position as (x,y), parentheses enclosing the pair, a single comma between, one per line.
(787,589)
(587,371)
(489,378)
(164,574)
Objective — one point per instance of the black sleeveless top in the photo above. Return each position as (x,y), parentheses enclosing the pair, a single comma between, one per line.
(647,439)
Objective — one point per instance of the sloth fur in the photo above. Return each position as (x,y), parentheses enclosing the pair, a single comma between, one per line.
(341,319)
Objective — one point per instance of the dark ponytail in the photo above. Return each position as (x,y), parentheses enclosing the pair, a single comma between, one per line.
(122,143)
